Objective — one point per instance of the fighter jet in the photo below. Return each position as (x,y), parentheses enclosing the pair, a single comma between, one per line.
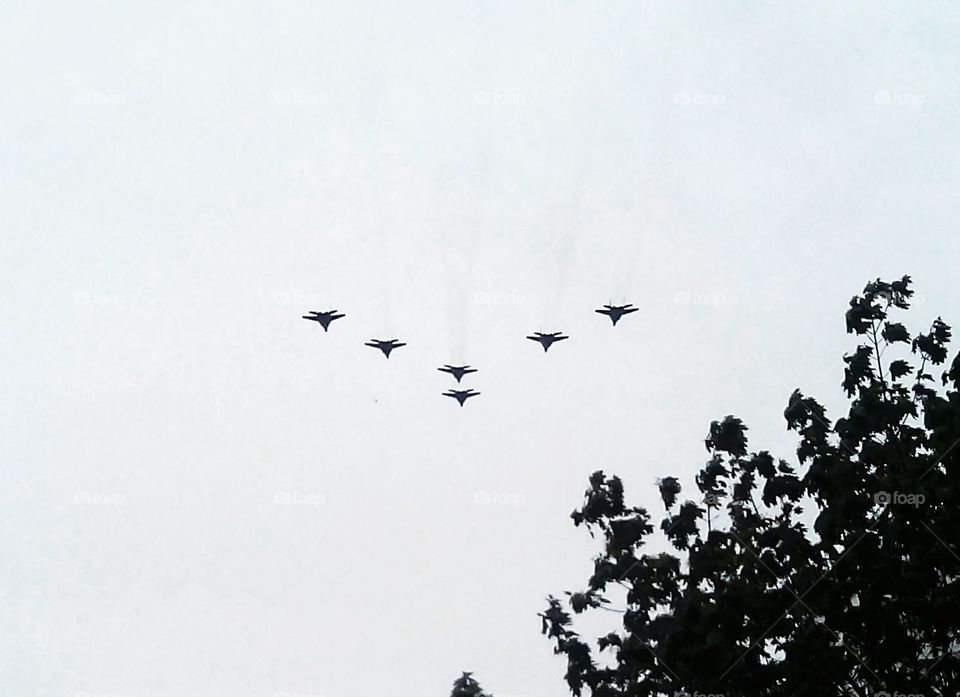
(461,395)
(384,345)
(324,318)
(547,339)
(615,312)
(457,371)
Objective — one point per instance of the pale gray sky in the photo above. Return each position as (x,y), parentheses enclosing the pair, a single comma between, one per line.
(203,494)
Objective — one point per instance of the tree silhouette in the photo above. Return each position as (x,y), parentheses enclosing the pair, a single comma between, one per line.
(837,576)
(466,686)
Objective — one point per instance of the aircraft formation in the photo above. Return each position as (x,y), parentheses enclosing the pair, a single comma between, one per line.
(458,372)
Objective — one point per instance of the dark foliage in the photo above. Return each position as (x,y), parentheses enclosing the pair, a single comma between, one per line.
(466,686)
(834,576)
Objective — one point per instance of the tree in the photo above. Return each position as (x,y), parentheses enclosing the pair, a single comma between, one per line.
(466,686)
(835,575)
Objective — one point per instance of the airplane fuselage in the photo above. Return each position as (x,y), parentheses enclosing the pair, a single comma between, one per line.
(547,340)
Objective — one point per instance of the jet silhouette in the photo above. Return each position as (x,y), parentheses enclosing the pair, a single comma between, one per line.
(615,312)
(385,346)
(324,318)
(547,339)
(457,371)
(461,395)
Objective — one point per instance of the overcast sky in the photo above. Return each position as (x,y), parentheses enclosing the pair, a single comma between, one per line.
(203,494)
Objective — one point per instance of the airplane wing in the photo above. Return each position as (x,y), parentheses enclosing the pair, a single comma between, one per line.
(560,338)
(398,344)
(603,312)
(534,338)
(630,309)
